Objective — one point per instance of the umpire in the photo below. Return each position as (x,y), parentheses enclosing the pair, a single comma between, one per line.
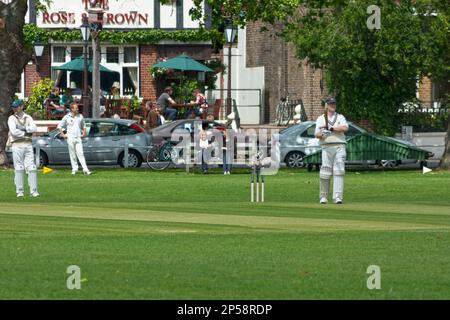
(21,128)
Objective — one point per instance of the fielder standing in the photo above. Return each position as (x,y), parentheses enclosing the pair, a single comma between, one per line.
(330,129)
(21,128)
(75,127)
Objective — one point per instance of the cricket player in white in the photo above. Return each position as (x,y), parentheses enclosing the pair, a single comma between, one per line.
(75,127)
(21,128)
(330,129)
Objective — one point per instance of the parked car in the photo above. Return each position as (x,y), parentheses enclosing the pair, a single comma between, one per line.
(104,144)
(298,141)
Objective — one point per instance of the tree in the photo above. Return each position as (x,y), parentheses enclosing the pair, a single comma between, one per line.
(372,71)
(14,55)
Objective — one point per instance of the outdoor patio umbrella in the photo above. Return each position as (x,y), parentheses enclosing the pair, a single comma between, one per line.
(183,63)
(77,64)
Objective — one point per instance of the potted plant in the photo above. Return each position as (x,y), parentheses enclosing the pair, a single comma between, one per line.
(39,93)
(135,104)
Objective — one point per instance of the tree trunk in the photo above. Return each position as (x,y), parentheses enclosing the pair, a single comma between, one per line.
(13,58)
(445,161)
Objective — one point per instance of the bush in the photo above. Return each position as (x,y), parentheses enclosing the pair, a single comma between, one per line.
(39,93)
(183,91)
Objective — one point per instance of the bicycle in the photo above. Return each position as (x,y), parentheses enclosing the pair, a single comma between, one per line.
(284,112)
(159,157)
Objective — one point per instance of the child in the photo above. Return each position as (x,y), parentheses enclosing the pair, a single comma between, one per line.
(204,146)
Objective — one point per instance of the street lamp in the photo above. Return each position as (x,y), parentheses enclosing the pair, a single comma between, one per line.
(85,32)
(230,33)
(38,51)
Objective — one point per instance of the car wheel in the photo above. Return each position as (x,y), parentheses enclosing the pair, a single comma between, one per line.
(43,159)
(134,159)
(295,160)
(388,163)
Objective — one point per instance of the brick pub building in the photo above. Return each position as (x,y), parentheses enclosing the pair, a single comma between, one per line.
(130,61)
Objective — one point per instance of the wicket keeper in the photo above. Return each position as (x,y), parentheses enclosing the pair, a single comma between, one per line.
(330,130)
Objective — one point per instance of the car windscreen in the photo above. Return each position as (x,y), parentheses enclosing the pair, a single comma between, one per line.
(294,127)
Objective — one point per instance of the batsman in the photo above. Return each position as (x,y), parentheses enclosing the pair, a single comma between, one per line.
(330,130)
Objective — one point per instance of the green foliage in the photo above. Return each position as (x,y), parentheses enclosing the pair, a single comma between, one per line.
(39,92)
(183,91)
(211,77)
(41,5)
(157,72)
(373,72)
(135,103)
(241,11)
(32,32)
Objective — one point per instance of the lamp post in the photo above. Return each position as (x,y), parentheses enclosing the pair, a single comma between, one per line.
(38,51)
(85,32)
(230,32)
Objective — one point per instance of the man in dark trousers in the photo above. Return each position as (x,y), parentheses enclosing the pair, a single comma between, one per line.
(165,102)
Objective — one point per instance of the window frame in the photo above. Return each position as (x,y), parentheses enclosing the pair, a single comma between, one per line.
(118,67)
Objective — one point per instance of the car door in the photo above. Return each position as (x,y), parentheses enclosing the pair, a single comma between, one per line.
(87,143)
(308,139)
(106,142)
(59,151)
(184,127)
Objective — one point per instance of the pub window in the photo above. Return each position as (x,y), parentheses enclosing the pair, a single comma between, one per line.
(130,55)
(77,52)
(112,55)
(130,81)
(60,79)
(59,54)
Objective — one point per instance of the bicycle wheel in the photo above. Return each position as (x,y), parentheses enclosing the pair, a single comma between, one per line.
(164,158)
(152,156)
(281,118)
(287,117)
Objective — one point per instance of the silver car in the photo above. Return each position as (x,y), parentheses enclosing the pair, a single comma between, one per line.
(104,144)
(299,140)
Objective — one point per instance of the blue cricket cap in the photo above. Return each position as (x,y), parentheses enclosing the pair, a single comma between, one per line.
(17,103)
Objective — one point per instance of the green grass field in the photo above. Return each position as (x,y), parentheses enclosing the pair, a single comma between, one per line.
(140,234)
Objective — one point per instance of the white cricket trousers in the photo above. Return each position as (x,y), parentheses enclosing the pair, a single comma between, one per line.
(24,161)
(333,164)
(76,151)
